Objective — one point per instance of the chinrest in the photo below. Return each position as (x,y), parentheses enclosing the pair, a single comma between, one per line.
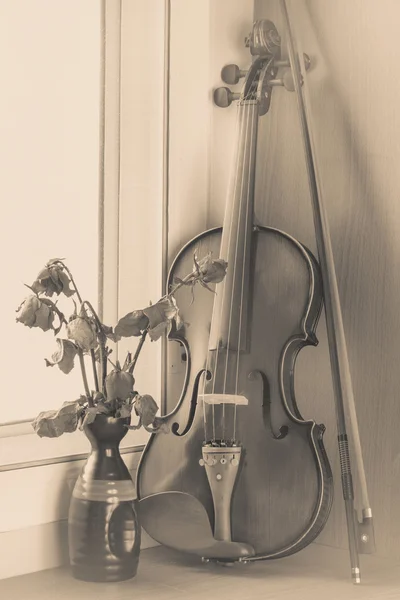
(180,521)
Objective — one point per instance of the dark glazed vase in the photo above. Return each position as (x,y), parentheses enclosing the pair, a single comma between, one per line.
(103,527)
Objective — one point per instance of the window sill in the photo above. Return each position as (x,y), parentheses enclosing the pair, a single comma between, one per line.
(20,447)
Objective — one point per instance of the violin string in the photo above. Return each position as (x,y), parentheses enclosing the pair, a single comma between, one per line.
(243,157)
(222,285)
(250,158)
(240,121)
(204,391)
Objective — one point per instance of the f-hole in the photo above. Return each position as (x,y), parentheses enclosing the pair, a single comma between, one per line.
(266,407)
(193,405)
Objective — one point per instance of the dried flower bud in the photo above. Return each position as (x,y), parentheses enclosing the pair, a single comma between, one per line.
(52,280)
(119,384)
(134,323)
(35,313)
(64,356)
(82,332)
(212,270)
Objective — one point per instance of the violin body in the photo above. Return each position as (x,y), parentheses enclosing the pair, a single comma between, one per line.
(241,476)
(283,491)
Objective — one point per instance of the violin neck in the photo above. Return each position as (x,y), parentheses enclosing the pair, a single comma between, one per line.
(230,314)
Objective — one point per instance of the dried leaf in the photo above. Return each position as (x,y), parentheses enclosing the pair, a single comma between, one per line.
(65,282)
(110,333)
(98,397)
(161,316)
(132,324)
(160,425)
(125,410)
(137,426)
(127,362)
(64,356)
(146,407)
(103,408)
(53,423)
(89,417)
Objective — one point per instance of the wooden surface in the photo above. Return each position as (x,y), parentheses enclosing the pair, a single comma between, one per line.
(317,572)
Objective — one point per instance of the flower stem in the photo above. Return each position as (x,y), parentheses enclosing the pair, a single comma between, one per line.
(101,337)
(184,281)
(95,377)
(84,377)
(138,349)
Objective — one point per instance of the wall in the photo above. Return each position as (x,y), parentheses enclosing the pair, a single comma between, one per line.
(354,100)
(201,135)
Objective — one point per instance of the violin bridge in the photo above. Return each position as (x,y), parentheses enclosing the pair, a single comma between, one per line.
(224,399)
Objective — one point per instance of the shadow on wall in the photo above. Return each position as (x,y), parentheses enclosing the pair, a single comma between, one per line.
(354,122)
(365,231)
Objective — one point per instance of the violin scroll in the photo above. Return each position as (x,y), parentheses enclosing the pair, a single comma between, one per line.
(260,79)
(264,40)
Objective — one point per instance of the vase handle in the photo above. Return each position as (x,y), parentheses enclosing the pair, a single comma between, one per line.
(124,530)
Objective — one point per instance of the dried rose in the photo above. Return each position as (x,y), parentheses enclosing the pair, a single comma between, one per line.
(64,356)
(119,384)
(36,313)
(52,280)
(161,316)
(53,423)
(211,270)
(134,323)
(82,331)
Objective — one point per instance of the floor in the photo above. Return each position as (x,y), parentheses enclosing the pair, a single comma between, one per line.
(314,573)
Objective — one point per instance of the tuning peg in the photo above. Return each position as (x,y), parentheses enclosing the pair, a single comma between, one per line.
(223,97)
(286,81)
(231,74)
(286,63)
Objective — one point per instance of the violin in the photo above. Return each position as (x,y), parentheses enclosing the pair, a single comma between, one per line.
(242,476)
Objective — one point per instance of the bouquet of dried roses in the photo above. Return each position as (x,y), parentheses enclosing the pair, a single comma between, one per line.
(86,338)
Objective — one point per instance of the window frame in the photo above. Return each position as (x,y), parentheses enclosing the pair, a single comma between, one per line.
(117,25)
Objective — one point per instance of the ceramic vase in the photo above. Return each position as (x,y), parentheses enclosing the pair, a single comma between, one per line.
(103,527)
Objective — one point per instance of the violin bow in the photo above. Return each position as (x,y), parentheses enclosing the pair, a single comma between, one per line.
(360,534)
